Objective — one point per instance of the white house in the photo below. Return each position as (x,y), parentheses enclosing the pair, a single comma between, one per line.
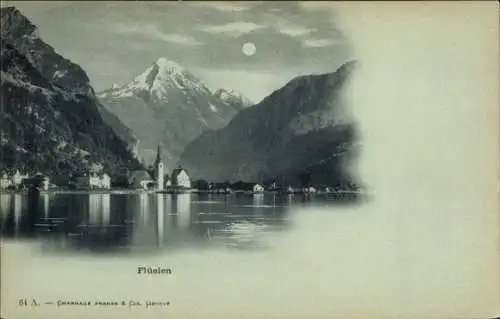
(94,181)
(44,181)
(18,178)
(15,180)
(180,178)
(5,181)
(309,190)
(258,188)
(105,181)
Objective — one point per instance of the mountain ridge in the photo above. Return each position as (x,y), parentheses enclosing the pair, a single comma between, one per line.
(50,122)
(167,105)
(20,31)
(299,125)
(237,99)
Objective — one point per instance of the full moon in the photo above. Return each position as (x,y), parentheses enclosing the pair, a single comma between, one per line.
(249,49)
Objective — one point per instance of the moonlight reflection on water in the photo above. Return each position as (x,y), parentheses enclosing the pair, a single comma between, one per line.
(135,223)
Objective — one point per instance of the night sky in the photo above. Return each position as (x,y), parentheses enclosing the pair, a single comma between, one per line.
(115,41)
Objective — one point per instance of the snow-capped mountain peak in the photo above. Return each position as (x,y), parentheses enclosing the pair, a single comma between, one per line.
(158,79)
(165,78)
(233,97)
(167,104)
(168,66)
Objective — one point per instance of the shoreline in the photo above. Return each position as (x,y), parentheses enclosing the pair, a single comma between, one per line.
(78,191)
(190,191)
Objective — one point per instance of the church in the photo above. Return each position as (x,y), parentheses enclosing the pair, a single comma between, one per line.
(143,179)
(178,180)
(160,181)
(159,171)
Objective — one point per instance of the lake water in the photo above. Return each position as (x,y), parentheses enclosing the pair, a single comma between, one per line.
(241,256)
(222,249)
(94,223)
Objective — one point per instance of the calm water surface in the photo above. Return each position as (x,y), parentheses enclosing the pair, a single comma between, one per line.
(145,223)
(241,256)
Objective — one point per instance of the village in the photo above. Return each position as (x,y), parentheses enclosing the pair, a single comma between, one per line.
(143,180)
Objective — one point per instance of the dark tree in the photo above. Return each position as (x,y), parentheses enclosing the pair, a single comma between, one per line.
(305,179)
(120,180)
(241,186)
(201,184)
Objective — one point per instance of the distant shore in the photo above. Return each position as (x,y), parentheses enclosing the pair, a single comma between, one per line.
(187,191)
(78,191)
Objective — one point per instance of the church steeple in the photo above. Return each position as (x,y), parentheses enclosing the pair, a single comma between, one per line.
(159,170)
(158,154)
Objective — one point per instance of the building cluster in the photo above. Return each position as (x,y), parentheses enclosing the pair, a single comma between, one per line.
(93,181)
(179,179)
(255,188)
(19,180)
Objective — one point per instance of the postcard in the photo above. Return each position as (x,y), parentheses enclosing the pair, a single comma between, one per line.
(259,160)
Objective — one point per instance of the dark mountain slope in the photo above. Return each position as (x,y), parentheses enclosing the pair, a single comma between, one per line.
(50,123)
(300,134)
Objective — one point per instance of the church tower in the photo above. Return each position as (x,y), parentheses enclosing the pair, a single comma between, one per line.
(159,170)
